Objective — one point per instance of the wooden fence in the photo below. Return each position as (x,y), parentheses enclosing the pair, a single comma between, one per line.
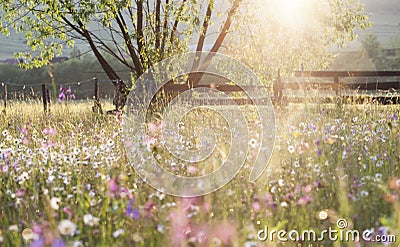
(344,84)
(45,95)
(320,82)
(327,86)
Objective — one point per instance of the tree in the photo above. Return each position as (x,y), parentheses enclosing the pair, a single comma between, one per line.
(296,34)
(140,33)
(370,44)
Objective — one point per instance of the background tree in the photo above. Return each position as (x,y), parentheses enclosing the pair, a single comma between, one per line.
(385,57)
(140,33)
(286,34)
(137,33)
(371,46)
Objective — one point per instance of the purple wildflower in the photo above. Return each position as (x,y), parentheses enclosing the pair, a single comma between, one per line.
(65,93)
(149,205)
(61,97)
(58,243)
(136,214)
(304,200)
(113,184)
(20,192)
(289,196)
(69,211)
(130,212)
(39,242)
(318,184)
(37,229)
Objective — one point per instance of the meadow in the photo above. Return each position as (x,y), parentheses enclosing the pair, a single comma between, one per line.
(65,181)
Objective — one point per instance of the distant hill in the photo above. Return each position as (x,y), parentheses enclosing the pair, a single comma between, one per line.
(9,45)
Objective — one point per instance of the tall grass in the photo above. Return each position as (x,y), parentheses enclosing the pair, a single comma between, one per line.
(65,180)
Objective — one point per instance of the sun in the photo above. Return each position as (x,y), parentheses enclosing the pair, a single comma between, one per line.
(291,14)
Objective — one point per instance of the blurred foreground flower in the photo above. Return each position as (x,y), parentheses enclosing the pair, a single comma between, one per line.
(67,227)
(90,220)
(54,203)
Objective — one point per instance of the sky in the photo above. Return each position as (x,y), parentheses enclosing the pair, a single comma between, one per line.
(384,16)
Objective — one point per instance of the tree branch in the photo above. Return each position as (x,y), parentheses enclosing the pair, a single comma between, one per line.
(139,25)
(175,26)
(220,38)
(202,37)
(136,61)
(165,26)
(158,24)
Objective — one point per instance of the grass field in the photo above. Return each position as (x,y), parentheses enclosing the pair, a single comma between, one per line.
(65,181)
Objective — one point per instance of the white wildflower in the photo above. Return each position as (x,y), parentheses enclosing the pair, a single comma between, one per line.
(13,228)
(54,203)
(90,220)
(77,244)
(118,233)
(23,177)
(291,149)
(28,234)
(67,227)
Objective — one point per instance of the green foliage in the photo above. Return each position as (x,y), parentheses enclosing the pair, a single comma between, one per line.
(47,25)
(258,35)
(373,55)
(381,57)
(287,34)
(371,46)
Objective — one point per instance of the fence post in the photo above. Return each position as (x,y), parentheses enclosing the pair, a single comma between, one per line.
(337,86)
(48,97)
(97,106)
(337,89)
(96,89)
(277,88)
(44,98)
(23,93)
(117,96)
(305,87)
(5,96)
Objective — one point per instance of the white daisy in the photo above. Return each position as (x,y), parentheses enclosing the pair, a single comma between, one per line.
(90,220)
(54,203)
(66,227)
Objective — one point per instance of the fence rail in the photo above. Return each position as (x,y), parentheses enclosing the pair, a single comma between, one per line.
(303,84)
(338,85)
(305,80)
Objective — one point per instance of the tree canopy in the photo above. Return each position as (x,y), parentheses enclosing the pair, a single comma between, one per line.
(263,34)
